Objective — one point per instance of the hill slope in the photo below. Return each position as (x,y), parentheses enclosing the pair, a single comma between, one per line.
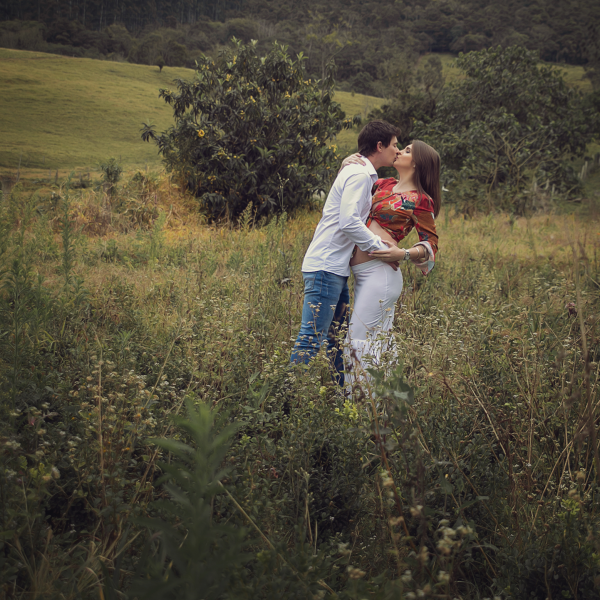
(61,113)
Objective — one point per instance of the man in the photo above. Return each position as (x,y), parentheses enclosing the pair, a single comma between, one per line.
(326,265)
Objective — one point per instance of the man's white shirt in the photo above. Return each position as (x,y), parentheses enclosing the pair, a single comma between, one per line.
(342,225)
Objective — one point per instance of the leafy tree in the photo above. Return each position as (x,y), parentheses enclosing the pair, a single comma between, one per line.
(251,129)
(592,53)
(509,122)
(175,54)
(412,92)
(325,41)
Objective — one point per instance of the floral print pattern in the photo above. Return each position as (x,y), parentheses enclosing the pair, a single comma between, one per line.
(400,213)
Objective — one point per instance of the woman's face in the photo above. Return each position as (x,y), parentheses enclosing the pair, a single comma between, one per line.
(404,159)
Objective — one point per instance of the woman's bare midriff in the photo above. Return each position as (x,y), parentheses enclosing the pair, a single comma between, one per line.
(360,256)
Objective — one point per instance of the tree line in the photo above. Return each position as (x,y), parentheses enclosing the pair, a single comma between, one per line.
(358,35)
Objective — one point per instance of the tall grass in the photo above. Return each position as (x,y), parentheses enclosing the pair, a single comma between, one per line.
(470,472)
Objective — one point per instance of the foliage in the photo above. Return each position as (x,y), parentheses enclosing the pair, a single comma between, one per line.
(352,32)
(111,174)
(509,123)
(251,129)
(468,471)
(69,237)
(592,54)
(194,553)
(412,92)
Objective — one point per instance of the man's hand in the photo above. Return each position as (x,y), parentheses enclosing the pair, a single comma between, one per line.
(393,255)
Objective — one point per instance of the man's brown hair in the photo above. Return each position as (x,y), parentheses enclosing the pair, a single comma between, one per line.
(374,132)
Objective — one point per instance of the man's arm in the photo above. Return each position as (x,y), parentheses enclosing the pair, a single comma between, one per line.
(356,189)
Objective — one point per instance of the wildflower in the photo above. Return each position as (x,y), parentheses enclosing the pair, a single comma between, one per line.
(55,473)
(200,133)
(355,573)
(343,549)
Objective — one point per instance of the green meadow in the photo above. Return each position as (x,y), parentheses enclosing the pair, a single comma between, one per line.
(61,113)
(64,113)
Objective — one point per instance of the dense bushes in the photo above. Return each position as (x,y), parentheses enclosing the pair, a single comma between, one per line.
(252,130)
(507,131)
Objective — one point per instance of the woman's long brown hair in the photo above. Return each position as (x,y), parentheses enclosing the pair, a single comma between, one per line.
(427,172)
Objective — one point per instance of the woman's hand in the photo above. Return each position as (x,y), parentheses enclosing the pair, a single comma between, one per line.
(353,159)
(392,255)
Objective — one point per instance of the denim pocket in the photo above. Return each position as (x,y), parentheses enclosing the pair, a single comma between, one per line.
(309,282)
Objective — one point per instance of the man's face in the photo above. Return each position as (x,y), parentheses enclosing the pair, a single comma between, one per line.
(388,155)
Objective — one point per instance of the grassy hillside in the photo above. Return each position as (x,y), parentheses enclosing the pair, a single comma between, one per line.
(62,113)
(71,113)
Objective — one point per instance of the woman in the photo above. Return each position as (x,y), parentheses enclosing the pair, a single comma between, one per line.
(399,205)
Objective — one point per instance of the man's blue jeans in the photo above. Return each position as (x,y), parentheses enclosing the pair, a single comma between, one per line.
(325,311)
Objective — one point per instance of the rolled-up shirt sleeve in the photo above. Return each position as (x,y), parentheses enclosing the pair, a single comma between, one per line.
(354,207)
(426,229)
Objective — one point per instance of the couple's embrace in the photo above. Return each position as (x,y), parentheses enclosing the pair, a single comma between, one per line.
(364,219)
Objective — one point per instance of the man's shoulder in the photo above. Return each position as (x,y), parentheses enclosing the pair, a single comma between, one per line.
(354,172)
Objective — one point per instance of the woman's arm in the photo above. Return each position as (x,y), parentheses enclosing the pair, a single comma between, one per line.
(395,254)
(353,159)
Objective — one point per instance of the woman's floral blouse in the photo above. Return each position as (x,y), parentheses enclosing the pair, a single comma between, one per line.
(399,213)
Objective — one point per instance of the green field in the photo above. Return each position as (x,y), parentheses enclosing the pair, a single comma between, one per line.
(64,113)
(60,113)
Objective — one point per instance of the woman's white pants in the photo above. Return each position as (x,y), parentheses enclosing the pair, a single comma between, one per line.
(377,287)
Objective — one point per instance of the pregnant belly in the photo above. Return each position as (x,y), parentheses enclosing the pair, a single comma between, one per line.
(360,256)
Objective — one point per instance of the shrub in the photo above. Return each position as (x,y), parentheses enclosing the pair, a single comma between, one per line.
(506,124)
(111,173)
(251,129)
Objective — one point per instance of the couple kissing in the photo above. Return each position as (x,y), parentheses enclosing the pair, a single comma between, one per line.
(364,219)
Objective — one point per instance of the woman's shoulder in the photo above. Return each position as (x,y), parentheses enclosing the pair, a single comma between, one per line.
(386,183)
